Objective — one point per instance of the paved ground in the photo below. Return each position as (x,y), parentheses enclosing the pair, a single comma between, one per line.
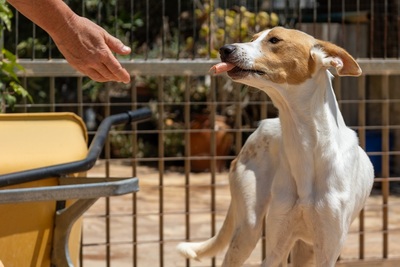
(173,205)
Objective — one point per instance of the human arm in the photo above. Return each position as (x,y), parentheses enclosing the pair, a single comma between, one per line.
(84,44)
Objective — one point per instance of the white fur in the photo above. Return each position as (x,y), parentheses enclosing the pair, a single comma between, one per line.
(304,171)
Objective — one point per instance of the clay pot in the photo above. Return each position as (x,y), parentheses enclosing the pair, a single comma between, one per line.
(200,142)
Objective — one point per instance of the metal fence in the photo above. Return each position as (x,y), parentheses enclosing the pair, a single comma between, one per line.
(201,122)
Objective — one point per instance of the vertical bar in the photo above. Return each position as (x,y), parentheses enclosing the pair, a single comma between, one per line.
(16,32)
(315,17)
(224,22)
(362,137)
(300,18)
(209,47)
(134,171)
(33,41)
(161,166)
(213,154)
(358,30)
(163,30)
(131,37)
(372,30)
(146,52)
(385,29)
(116,20)
(238,117)
(329,19)
(25,85)
(179,30)
(263,115)
(79,86)
(52,95)
(343,38)
(398,29)
(194,31)
(187,160)
(385,163)
(107,170)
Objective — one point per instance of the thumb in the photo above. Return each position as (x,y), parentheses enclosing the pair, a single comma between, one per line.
(117,46)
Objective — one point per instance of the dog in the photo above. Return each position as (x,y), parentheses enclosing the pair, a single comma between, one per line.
(303,171)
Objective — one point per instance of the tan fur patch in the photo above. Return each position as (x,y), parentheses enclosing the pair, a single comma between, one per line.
(289,60)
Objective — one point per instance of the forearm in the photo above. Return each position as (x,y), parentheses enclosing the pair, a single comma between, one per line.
(84,44)
(50,15)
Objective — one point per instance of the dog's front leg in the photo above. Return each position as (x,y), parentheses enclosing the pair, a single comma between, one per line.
(250,190)
(329,239)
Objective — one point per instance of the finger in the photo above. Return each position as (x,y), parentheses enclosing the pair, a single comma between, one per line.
(95,75)
(116,45)
(102,72)
(114,67)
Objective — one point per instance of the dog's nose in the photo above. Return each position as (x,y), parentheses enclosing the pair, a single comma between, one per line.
(226,50)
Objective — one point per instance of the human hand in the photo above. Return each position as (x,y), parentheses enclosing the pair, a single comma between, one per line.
(88,48)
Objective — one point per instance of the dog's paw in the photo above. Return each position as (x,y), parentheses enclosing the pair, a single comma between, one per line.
(188,250)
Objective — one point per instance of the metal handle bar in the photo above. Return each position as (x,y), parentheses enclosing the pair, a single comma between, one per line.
(82,165)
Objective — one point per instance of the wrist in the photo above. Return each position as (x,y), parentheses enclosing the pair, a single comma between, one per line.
(64,28)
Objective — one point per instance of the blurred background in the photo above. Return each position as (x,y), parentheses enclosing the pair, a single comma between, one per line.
(200,122)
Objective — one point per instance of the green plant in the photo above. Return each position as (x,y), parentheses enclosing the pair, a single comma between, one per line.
(221,26)
(10,86)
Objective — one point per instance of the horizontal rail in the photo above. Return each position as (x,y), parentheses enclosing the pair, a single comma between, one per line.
(171,67)
(167,67)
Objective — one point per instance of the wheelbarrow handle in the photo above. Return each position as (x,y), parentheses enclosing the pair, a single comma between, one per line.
(85,164)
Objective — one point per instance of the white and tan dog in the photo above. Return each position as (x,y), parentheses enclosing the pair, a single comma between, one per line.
(304,171)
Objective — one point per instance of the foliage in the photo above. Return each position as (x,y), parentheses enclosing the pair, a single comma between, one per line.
(221,26)
(10,87)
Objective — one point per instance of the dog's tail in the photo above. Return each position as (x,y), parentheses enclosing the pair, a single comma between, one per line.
(210,247)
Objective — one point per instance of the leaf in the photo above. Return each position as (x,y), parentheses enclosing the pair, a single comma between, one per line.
(10,99)
(18,89)
(5,14)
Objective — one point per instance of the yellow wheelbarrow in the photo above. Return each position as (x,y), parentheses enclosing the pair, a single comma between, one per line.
(43,189)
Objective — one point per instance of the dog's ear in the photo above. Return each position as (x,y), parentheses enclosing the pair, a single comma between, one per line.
(330,55)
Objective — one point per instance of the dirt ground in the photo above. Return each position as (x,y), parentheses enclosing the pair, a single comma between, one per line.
(165,193)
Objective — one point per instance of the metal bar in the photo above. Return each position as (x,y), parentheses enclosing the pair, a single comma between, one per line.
(372,29)
(362,137)
(82,189)
(385,163)
(212,159)
(161,166)
(79,87)
(172,67)
(134,139)
(64,221)
(146,52)
(107,152)
(385,29)
(187,160)
(52,94)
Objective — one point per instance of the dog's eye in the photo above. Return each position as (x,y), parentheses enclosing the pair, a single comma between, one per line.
(274,40)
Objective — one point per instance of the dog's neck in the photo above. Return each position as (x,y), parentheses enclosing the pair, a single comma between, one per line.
(311,122)
(308,109)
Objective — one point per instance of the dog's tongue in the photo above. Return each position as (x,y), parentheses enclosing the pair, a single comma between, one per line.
(221,67)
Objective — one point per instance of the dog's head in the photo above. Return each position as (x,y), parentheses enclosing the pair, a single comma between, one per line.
(281,56)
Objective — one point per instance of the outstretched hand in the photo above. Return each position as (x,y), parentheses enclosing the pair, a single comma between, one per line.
(89,49)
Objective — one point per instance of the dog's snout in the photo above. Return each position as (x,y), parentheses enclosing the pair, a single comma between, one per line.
(226,50)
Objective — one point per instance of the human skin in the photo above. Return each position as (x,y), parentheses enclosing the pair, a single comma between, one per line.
(84,44)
